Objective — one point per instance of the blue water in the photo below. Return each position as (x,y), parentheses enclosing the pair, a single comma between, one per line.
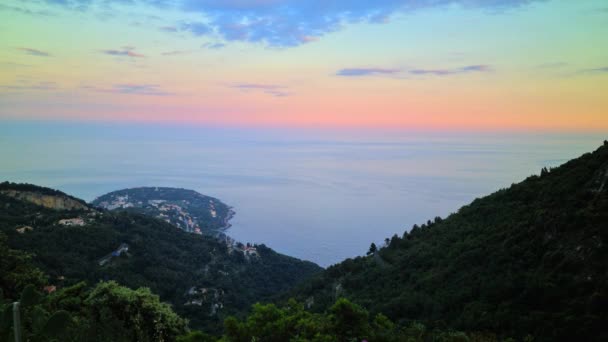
(317,195)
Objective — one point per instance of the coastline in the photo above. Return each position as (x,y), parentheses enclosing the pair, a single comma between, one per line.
(226,221)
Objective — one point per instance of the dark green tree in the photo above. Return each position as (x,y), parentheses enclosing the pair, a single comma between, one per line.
(372,249)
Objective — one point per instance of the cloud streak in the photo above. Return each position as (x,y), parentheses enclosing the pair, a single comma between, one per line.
(447,72)
(213,46)
(270,89)
(27,85)
(125,51)
(23,10)
(34,52)
(355,72)
(601,70)
(168,28)
(130,89)
(176,52)
(139,89)
(400,73)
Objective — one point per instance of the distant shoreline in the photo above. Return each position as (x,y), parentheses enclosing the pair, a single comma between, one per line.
(226,221)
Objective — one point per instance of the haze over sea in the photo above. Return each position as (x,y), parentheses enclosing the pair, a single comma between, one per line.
(319,195)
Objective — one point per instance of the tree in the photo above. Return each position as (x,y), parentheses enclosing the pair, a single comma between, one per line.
(349,321)
(394,241)
(132,314)
(544,172)
(372,249)
(17,271)
(195,336)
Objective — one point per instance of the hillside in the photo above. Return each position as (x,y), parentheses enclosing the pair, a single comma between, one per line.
(530,259)
(185,209)
(45,197)
(203,278)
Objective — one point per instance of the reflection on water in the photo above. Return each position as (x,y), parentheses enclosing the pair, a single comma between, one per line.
(317,195)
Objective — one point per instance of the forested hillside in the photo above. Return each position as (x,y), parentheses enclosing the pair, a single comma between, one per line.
(202,277)
(530,259)
(183,208)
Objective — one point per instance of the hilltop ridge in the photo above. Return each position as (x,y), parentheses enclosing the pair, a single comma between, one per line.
(46,197)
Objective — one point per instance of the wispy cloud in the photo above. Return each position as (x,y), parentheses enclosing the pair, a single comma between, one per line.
(176,52)
(455,71)
(287,23)
(401,73)
(23,10)
(270,89)
(198,29)
(168,28)
(213,46)
(139,89)
(552,65)
(34,52)
(126,51)
(15,65)
(600,70)
(129,89)
(22,85)
(354,72)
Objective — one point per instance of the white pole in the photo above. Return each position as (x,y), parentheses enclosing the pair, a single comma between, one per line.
(17,321)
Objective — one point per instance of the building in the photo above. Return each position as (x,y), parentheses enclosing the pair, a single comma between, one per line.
(24,229)
(77,221)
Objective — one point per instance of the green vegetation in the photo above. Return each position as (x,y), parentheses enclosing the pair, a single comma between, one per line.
(161,257)
(530,259)
(17,271)
(343,321)
(107,312)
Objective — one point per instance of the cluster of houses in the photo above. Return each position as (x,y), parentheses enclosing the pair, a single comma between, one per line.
(23,229)
(117,202)
(181,218)
(249,250)
(72,222)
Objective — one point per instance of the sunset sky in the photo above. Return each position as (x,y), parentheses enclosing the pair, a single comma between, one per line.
(412,64)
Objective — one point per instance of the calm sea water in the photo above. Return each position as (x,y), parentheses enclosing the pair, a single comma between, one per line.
(317,195)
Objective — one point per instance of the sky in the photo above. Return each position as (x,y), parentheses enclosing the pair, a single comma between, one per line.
(481,65)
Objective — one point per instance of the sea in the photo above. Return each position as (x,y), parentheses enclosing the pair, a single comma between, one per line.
(316,194)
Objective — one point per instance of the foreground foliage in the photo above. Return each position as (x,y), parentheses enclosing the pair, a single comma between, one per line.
(106,312)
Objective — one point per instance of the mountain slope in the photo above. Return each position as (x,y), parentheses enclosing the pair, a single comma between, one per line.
(185,209)
(48,198)
(531,259)
(199,275)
